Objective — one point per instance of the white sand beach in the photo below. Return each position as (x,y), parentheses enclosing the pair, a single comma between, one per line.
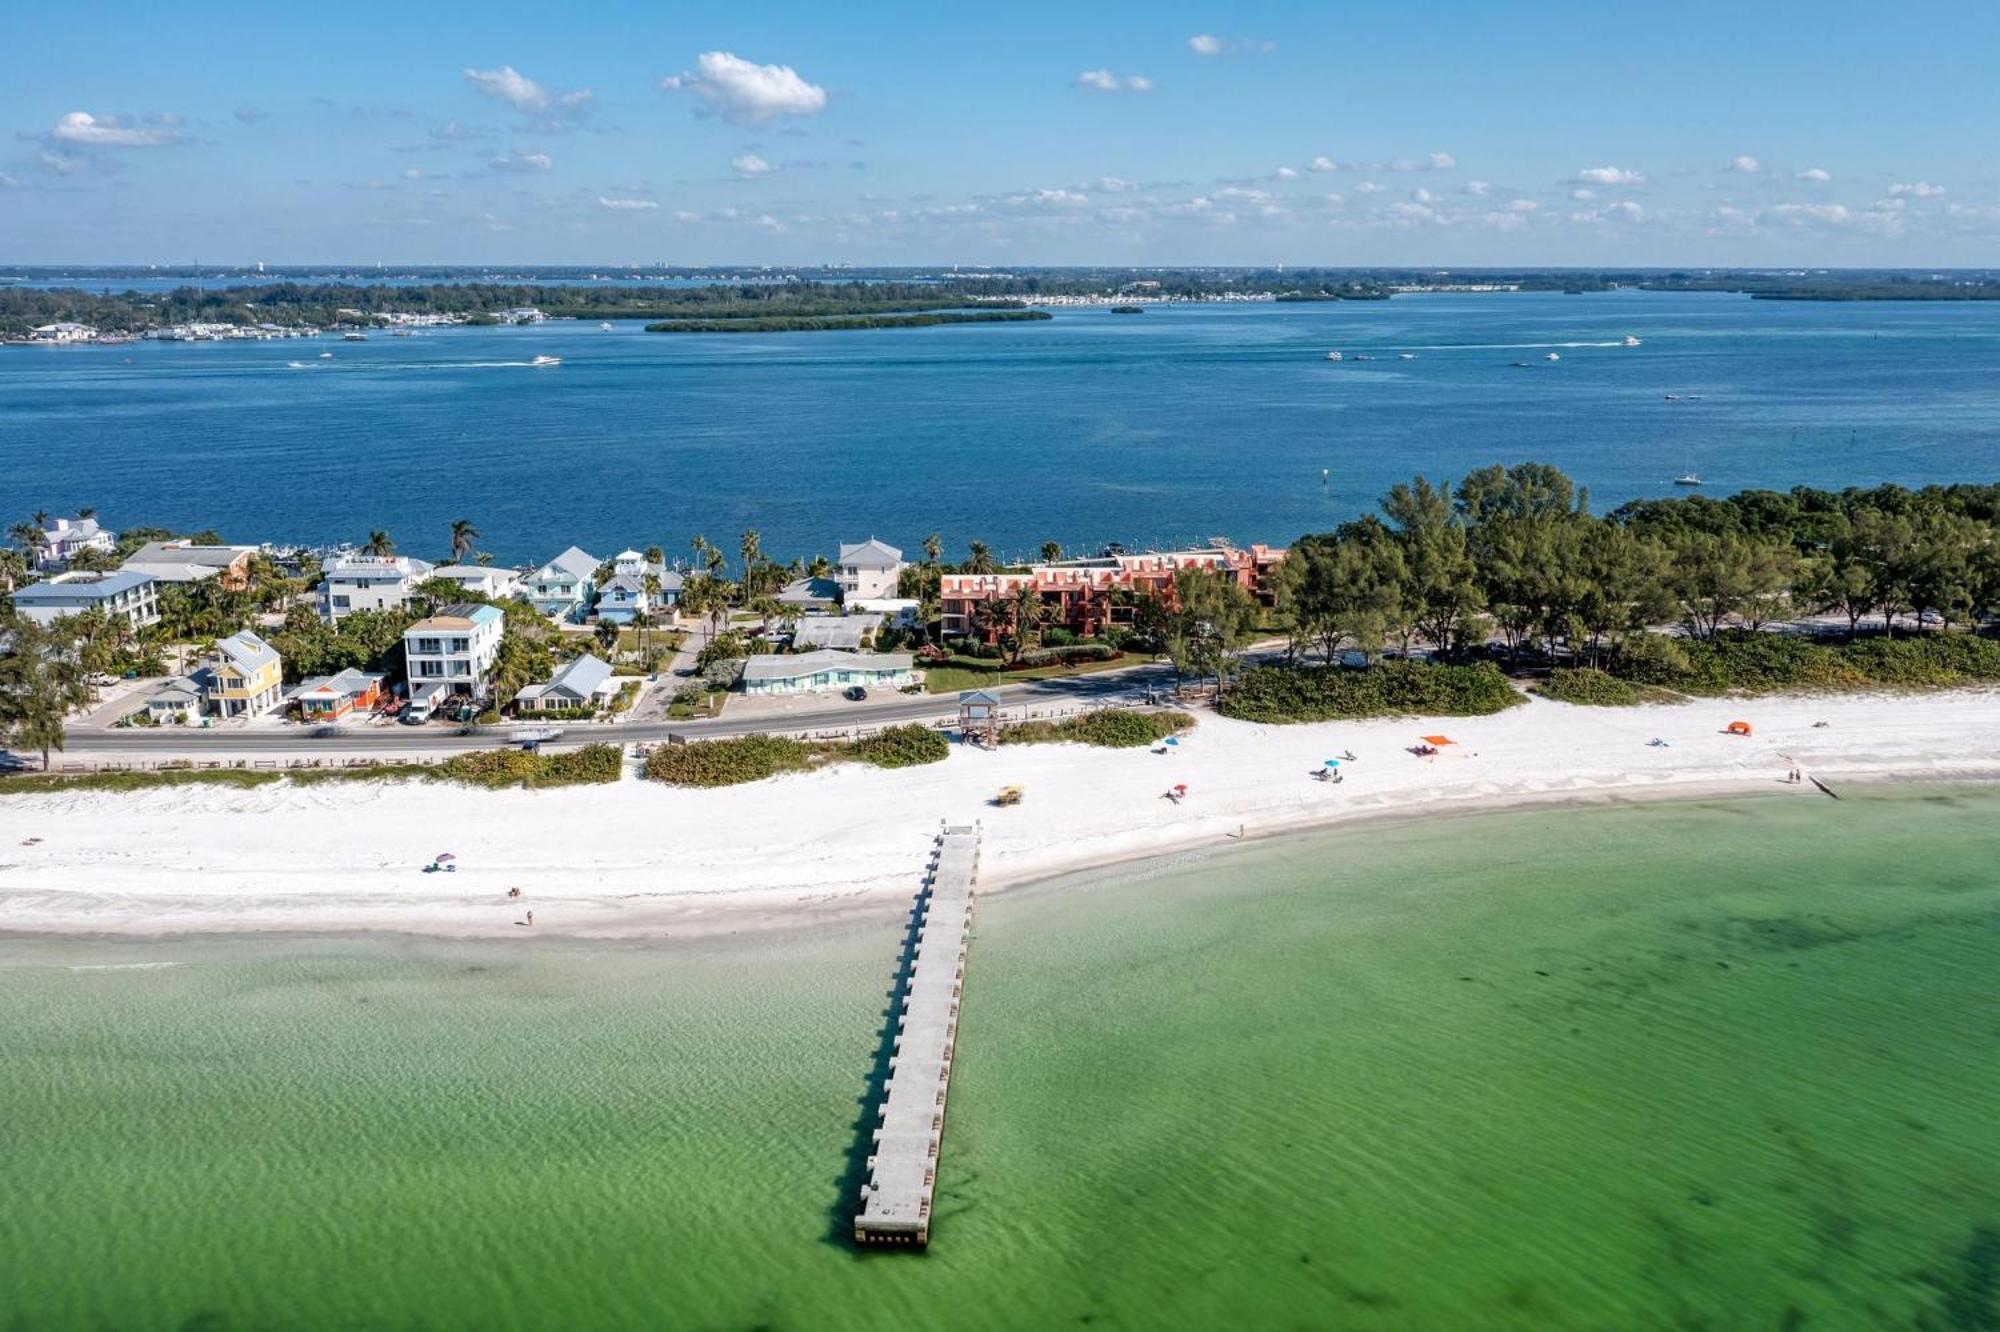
(638,859)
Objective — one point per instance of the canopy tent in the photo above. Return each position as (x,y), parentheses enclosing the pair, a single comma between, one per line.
(1739,728)
(1435,739)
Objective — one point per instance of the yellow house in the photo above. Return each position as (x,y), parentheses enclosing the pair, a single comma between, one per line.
(249,678)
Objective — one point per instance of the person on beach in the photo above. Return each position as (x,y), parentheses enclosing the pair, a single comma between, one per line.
(531,918)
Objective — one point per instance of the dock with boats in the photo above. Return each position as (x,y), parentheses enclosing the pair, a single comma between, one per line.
(902,1168)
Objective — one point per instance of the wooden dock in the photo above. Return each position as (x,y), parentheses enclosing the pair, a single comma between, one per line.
(902,1170)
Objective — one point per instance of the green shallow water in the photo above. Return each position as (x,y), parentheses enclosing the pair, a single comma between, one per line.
(1722,1065)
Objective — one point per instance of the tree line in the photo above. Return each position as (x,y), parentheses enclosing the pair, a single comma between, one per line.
(1515,553)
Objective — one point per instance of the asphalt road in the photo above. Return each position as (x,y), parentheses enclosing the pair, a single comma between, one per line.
(838,713)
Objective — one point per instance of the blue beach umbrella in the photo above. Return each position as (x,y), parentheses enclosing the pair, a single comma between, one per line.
(1173,742)
(1332,763)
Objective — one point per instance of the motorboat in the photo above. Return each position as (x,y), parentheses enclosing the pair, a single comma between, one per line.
(1553,356)
(1406,356)
(606,326)
(546,361)
(1631,341)
(1687,479)
(1335,356)
(354,337)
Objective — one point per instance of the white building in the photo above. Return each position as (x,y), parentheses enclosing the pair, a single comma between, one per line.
(816,672)
(369,582)
(452,652)
(490,582)
(868,569)
(564,586)
(133,595)
(62,539)
(64,331)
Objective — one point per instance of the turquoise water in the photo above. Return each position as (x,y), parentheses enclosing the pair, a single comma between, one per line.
(1181,424)
(1717,1065)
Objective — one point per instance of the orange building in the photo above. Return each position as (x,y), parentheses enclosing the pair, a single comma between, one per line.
(1088,596)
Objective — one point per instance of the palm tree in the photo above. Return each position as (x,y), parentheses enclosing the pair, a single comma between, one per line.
(651,582)
(1026,610)
(379,543)
(607,637)
(701,549)
(819,567)
(654,555)
(1051,551)
(982,558)
(31,537)
(994,616)
(463,537)
(41,518)
(750,547)
(933,548)
(87,511)
(13,568)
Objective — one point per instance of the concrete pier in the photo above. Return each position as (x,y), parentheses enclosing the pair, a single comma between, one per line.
(902,1171)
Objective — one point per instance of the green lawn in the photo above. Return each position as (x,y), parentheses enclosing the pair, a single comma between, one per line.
(970,673)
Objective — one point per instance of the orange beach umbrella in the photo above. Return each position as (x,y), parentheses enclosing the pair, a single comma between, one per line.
(1739,728)
(1436,739)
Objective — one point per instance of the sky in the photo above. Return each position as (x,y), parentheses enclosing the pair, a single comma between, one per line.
(1441,133)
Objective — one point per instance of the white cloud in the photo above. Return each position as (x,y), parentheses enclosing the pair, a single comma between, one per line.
(412,173)
(747,93)
(1796,214)
(1236,194)
(1745,165)
(1103,80)
(1442,161)
(509,85)
(1817,174)
(633,205)
(62,163)
(1922,189)
(1114,184)
(1322,163)
(1284,173)
(749,164)
(521,159)
(1522,206)
(1423,196)
(1581,194)
(1204,44)
(1610,175)
(111,132)
(1625,211)
(1368,187)
(1478,188)
(683,215)
(8,182)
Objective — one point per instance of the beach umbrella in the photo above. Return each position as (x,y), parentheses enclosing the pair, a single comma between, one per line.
(446,856)
(1180,788)
(1439,740)
(1331,763)
(1173,742)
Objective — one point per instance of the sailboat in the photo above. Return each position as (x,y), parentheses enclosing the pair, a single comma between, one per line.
(1689,477)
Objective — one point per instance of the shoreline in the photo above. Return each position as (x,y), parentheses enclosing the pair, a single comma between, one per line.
(635,861)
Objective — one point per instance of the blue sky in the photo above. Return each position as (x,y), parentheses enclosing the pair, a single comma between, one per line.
(1345,133)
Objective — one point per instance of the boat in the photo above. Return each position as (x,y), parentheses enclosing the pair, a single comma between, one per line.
(1128,309)
(1687,479)
(1406,356)
(1631,341)
(605,326)
(1335,356)
(1553,356)
(326,356)
(1673,397)
(402,333)
(546,360)
(1524,365)
(1361,356)
(354,337)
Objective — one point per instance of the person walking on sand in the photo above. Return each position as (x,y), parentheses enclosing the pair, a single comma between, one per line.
(531,918)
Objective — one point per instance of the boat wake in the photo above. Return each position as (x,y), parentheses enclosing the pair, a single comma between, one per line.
(1509,346)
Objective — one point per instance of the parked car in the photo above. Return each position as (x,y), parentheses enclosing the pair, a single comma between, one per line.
(855,694)
(1354,660)
(324,732)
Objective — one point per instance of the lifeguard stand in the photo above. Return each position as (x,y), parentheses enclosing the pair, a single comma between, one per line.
(979,717)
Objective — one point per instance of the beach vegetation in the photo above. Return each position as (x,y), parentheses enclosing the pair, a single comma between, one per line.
(1280,694)
(902,747)
(731,761)
(1110,728)
(1589,687)
(1742,661)
(491,768)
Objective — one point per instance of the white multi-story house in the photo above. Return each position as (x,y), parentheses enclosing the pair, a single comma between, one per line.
(369,582)
(564,585)
(452,651)
(65,537)
(62,331)
(132,595)
(868,569)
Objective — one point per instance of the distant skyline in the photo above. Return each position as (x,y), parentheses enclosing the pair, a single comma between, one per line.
(1826,134)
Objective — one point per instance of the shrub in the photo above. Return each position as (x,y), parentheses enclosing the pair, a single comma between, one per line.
(1590,688)
(1066,656)
(518,767)
(1742,660)
(1111,729)
(1058,637)
(729,762)
(902,747)
(1392,689)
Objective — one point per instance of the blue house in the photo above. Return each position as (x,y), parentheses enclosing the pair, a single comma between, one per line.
(563,587)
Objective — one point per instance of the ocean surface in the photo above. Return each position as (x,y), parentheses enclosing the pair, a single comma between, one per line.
(1180,424)
(1717,1065)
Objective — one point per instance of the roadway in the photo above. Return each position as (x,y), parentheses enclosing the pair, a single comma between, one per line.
(411,741)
